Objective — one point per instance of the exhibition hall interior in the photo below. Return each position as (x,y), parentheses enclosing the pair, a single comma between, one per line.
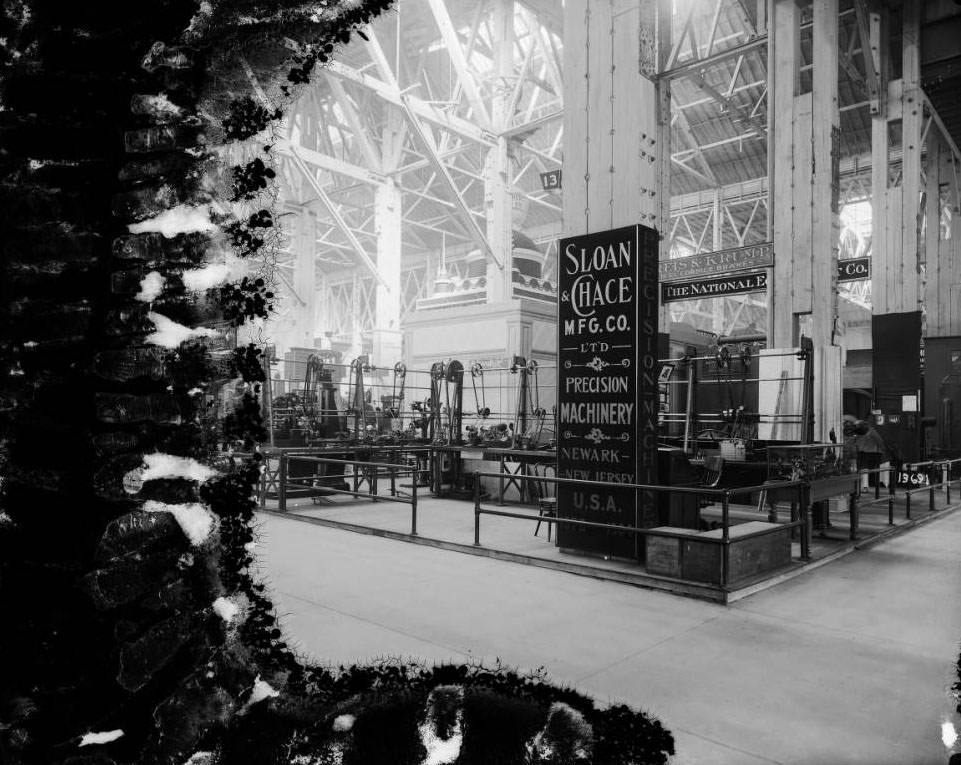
(664,296)
(480,382)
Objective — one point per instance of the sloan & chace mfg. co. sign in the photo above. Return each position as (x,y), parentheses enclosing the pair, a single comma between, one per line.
(607,386)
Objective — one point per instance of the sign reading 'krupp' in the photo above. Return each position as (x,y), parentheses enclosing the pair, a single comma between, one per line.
(724,261)
(607,385)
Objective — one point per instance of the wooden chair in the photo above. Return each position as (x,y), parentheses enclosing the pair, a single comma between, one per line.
(546,495)
(713,467)
(711,476)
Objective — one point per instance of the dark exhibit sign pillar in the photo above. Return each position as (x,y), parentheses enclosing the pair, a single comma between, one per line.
(896,371)
(607,386)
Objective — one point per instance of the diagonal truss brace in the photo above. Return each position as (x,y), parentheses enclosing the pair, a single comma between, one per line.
(371,155)
(459,60)
(338,218)
(443,173)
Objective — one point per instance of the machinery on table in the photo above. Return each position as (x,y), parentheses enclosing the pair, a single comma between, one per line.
(718,399)
(446,403)
(315,401)
(524,427)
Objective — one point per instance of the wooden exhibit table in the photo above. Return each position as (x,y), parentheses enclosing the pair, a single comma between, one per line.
(739,472)
(333,475)
(514,465)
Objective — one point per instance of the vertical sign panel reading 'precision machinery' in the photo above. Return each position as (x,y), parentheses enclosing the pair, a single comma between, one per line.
(607,387)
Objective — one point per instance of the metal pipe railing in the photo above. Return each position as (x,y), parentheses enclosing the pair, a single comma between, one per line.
(908,493)
(724,494)
(713,358)
(381,468)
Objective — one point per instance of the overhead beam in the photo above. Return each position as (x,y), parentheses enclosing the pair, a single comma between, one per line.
(367,148)
(522,77)
(338,218)
(329,163)
(685,31)
(538,153)
(465,74)
(694,67)
(529,127)
(692,171)
(948,139)
(733,108)
(440,168)
(685,128)
(550,13)
(553,71)
(421,108)
(380,60)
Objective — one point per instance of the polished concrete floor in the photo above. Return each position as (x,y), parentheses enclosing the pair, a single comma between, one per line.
(449,522)
(849,663)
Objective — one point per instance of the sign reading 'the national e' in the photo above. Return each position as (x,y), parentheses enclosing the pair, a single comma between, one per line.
(607,386)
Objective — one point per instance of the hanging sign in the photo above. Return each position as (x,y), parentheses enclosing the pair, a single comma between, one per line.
(720,262)
(854,268)
(607,386)
(551,180)
(719,287)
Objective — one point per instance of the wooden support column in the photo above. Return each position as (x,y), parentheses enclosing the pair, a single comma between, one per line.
(387,225)
(942,293)
(912,118)
(717,243)
(782,89)
(612,116)
(895,205)
(805,201)
(498,202)
(657,23)
(825,222)
(297,328)
(896,323)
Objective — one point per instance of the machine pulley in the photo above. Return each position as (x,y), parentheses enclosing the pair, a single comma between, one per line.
(394,404)
(477,372)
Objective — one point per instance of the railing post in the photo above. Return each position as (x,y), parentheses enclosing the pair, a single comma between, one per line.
(725,538)
(373,480)
(393,482)
(891,509)
(413,509)
(877,483)
(805,525)
(931,499)
(282,484)
(907,506)
(477,496)
(500,483)
(262,484)
(853,516)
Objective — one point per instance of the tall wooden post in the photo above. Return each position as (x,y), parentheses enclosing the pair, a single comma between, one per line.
(387,225)
(614,135)
(805,200)
(297,328)
(896,197)
(498,202)
(656,24)
(896,232)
